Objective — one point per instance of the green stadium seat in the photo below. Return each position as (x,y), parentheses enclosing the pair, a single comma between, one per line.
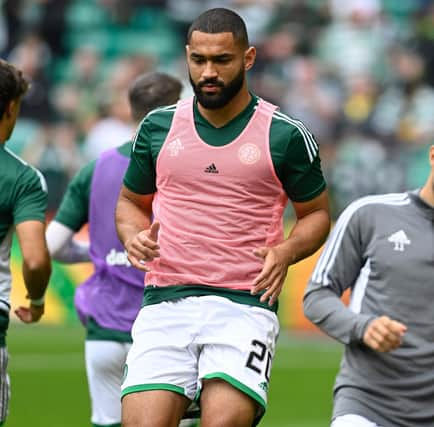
(85,15)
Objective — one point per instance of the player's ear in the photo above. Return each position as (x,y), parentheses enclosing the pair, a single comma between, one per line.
(249,57)
(9,110)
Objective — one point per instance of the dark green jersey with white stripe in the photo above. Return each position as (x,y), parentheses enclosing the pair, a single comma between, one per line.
(23,197)
(382,248)
(293,149)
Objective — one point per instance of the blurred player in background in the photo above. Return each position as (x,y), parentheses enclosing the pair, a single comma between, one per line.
(108,302)
(216,171)
(382,248)
(23,203)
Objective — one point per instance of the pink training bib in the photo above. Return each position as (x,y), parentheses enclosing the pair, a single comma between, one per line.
(215,204)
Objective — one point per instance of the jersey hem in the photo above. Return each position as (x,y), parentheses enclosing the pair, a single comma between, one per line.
(311,195)
(22,219)
(136,189)
(155,295)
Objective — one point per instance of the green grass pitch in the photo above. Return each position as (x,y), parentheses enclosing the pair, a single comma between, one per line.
(49,387)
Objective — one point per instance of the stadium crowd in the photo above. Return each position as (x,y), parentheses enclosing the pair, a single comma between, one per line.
(359,73)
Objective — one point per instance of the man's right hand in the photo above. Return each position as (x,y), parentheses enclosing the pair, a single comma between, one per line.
(143,247)
(384,334)
(30,314)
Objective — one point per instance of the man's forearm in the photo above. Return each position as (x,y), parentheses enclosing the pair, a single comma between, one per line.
(130,219)
(36,276)
(326,310)
(307,236)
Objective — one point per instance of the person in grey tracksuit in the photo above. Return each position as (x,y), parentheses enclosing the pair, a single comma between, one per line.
(382,248)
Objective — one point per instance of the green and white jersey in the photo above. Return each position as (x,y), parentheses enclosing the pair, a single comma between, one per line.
(293,149)
(23,197)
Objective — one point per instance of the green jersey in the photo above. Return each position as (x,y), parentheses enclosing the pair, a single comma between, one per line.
(23,197)
(296,163)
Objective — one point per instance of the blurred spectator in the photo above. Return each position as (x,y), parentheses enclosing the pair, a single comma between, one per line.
(269,77)
(355,41)
(361,98)
(115,123)
(55,153)
(114,127)
(257,14)
(303,19)
(75,97)
(424,40)
(11,10)
(363,166)
(52,23)
(405,110)
(32,55)
(313,100)
(122,11)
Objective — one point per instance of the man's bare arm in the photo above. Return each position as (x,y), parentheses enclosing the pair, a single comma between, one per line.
(36,267)
(135,228)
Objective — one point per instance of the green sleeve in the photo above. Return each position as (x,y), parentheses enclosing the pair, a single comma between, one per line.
(74,209)
(30,201)
(140,176)
(297,162)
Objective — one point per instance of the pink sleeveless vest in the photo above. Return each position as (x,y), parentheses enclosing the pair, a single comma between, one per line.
(215,204)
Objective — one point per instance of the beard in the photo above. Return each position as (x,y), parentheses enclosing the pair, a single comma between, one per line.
(214,101)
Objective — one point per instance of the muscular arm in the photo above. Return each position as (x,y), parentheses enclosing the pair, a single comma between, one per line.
(135,228)
(307,235)
(36,266)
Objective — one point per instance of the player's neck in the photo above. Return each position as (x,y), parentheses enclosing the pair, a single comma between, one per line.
(219,117)
(427,191)
(3,135)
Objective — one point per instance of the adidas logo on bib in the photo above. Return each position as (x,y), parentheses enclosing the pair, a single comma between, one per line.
(211,169)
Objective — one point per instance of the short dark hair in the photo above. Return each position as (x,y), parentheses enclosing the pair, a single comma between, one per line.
(221,20)
(152,90)
(12,84)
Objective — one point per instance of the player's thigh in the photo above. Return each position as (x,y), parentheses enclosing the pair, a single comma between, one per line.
(222,405)
(163,355)
(105,362)
(4,384)
(352,420)
(153,408)
(238,346)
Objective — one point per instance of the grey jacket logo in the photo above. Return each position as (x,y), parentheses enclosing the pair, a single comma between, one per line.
(399,239)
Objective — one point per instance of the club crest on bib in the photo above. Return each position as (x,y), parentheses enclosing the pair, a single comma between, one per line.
(249,154)
(175,147)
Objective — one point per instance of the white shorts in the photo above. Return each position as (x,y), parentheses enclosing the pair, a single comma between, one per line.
(177,344)
(5,391)
(105,362)
(352,420)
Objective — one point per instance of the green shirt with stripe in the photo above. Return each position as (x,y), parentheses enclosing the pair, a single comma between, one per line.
(23,197)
